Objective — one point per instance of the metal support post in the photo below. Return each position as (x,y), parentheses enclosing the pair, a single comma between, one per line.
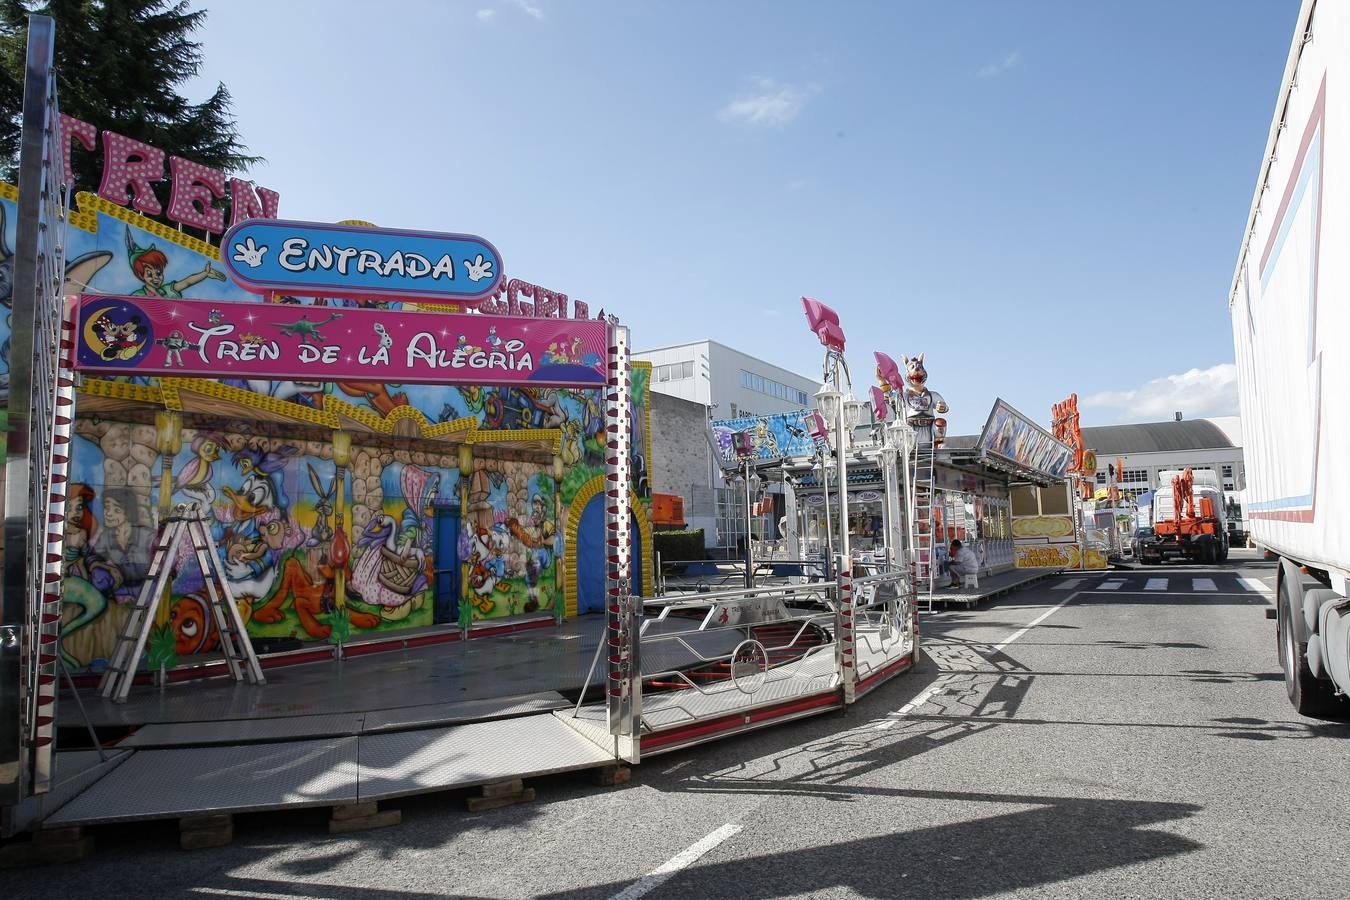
(40,398)
(746,470)
(845,644)
(623,682)
(829,528)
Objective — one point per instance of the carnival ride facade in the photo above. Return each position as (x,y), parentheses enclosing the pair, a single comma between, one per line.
(349,508)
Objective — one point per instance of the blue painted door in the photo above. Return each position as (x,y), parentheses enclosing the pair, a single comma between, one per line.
(445,589)
(591,557)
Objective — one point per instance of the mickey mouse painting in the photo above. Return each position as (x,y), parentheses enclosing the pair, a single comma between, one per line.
(117,333)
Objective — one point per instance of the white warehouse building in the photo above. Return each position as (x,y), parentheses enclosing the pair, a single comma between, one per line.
(1152,447)
(731,384)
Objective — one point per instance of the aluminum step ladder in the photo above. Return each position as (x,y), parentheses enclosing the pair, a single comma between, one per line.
(924,572)
(234,642)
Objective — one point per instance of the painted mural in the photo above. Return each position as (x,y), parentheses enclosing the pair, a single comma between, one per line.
(402,535)
(780,436)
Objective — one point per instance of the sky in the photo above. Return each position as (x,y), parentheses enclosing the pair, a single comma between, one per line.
(1044,197)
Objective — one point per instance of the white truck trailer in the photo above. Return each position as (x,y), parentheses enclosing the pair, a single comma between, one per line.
(1291,327)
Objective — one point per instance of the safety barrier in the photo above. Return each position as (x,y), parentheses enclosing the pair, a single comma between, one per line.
(717,663)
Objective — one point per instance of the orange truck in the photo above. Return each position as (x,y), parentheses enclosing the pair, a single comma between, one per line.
(1188,518)
(667,510)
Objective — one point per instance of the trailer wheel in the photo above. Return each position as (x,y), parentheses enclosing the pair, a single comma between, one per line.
(1309,695)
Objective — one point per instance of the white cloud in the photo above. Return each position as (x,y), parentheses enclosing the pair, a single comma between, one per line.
(999,66)
(771,104)
(487,15)
(1195,393)
(533,10)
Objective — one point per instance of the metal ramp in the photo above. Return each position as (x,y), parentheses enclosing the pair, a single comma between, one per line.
(290,728)
(171,783)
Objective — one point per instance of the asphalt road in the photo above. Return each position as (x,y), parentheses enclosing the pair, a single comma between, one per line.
(1122,735)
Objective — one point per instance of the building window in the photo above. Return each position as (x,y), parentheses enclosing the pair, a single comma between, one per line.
(1101,478)
(1135,476)
(730,517)
(674,372)
(1228,472)
(752,382)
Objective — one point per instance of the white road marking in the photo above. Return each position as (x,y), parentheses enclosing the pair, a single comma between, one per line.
(910,706)
(1203,584)
(938,688)
(1069,585)
(1255,584)
(682,860)
(1110,585)
(1156,584)
(1036,621)
(227,892)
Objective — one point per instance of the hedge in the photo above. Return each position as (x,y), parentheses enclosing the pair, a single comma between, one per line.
(679,545)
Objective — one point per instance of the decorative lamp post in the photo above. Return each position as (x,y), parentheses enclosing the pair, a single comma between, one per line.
(559,601)
(841,414)
(169,436)
(831,404)
(465,473)
(341,551)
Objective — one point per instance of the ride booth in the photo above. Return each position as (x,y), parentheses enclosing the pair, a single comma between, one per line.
(1029,517)
(349,505)
(363,465)
(374,467)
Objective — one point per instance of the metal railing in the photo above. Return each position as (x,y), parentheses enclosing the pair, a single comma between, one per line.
(735,644)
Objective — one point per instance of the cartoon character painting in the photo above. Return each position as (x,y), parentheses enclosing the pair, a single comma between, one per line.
(120,332)
(174,345)
(538,534)
(194,478)
(261,489)
(148,264)
(308,330)
(392,571)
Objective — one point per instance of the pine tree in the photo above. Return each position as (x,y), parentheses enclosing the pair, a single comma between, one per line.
(119,64)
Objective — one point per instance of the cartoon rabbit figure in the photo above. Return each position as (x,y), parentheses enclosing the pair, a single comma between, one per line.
(322,533)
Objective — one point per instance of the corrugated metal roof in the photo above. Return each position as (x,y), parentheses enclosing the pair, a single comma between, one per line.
(1155,437)
(1149,437)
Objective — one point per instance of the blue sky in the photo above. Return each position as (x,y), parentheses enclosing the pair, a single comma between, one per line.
(1044,197)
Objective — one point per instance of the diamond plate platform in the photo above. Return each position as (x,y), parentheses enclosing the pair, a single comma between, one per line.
(162,784)
(457,713)
(414,762)
(991,586)
(245,731)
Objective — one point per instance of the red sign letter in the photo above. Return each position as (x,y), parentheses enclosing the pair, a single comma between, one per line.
(131,164)
(248,203)
(73,128)
(194,188)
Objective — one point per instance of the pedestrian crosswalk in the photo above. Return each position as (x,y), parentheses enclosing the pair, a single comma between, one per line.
(1225,583)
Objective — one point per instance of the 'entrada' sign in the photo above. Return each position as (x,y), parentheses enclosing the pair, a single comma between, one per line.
(310,259)
(229,341)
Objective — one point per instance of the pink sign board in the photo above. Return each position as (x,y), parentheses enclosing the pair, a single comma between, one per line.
(204,339)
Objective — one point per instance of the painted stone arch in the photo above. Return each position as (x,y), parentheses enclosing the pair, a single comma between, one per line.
(581,530)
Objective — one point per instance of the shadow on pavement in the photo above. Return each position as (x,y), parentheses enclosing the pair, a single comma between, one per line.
(1059,839)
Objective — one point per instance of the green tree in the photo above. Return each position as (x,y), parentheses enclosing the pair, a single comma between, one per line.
(119,66)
